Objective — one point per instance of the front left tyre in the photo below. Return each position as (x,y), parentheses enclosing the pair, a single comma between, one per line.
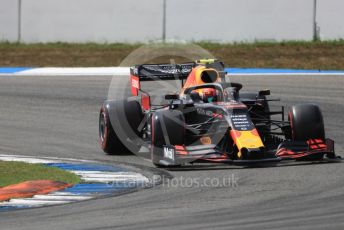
(306,122)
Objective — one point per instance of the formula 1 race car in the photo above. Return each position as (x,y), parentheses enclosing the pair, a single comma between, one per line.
(208,120)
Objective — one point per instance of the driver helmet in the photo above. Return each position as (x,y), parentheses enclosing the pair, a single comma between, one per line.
(208,95)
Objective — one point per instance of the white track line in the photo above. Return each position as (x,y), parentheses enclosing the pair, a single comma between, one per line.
(52,159)
(27,160)
(62,198)
(91,175)
(286,74)
(64,194)
(105,177)
(88,71)
(32,202)
(43,200)
(117,180)
(103,172)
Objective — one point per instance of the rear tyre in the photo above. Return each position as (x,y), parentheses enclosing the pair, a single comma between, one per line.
(306,122)
(107,137)
(118,126)
(168,128)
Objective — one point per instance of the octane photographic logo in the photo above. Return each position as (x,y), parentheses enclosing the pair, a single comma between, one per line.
(138,141)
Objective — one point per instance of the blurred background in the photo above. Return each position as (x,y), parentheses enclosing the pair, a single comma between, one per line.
(223,21)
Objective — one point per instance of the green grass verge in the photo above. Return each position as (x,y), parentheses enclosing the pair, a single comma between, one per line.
(292,54)
(16,172)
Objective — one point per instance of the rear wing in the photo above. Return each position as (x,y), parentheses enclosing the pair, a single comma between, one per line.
(153,72)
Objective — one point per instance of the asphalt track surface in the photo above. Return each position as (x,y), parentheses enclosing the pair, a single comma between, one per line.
(58,116)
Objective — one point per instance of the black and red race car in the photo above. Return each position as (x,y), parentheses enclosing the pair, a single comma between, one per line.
(208,120)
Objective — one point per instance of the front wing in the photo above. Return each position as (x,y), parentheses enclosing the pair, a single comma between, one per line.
(315,149)
(179,155)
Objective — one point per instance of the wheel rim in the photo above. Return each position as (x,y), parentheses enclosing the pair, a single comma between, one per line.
(102,126)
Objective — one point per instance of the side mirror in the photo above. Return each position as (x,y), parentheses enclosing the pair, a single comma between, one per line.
(171,97)
(265,92)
